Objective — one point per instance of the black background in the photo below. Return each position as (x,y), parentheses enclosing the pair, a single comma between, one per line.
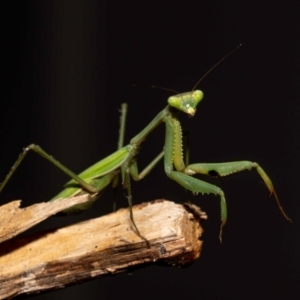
(68,65)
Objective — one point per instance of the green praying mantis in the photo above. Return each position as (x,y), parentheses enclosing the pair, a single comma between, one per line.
(96,178)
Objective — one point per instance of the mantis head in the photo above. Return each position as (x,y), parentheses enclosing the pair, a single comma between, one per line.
(186,102)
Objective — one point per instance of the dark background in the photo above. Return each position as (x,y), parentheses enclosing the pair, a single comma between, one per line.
(68,65)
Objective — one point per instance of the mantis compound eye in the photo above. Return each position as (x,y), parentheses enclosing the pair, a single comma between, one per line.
(198,96)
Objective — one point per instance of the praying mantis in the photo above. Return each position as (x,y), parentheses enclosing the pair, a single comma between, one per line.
(96,178)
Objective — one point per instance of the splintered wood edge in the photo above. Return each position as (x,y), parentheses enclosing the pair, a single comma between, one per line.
(15,220)
(101,246)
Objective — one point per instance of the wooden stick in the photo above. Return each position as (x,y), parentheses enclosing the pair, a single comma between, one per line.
(15,220)
(101,246)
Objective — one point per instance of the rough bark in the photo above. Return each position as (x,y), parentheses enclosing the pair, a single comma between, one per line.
(101,246)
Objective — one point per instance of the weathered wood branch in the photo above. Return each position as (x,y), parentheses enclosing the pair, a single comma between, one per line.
(101,246)
(15,220)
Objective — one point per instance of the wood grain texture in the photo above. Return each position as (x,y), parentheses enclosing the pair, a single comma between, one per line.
(101,246)
(15,220)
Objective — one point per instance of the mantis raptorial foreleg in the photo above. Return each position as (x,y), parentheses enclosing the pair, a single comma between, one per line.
(173,157)
(228,168)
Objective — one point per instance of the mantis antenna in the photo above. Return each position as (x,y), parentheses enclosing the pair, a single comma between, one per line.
(215,65)
(163,88)
(211,69)
(159,88)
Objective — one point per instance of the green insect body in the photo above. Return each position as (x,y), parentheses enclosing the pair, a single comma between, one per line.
(124,161)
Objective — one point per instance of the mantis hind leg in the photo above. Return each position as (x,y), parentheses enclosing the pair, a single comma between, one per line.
(45,155)
(98,184)
(116,159)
